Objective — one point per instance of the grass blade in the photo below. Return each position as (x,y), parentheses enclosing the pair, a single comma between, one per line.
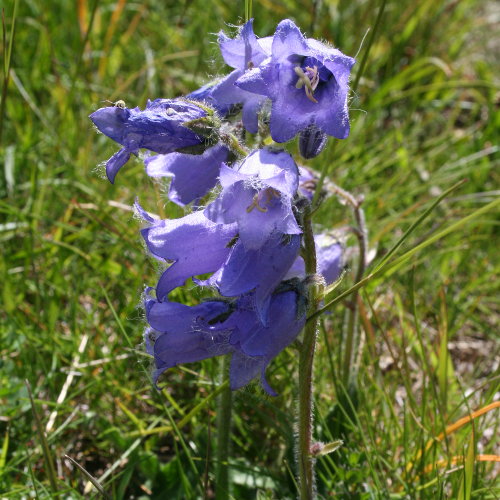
(47,455)
(7,58)
(466,483)
(382,268)
(89,476)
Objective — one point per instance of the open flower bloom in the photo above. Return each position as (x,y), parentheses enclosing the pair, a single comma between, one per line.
(192,175)
(194,245)
(256,270)
(158,128)
(307,82)
(242,53)
(257,196)
(184,334)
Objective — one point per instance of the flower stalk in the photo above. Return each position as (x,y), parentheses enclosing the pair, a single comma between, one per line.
(223,436)
(306,360)
(361,233)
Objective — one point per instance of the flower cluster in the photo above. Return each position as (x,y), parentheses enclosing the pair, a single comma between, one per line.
(243,236)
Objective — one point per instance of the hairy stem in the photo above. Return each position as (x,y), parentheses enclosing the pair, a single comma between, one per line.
(305,417)
(223,437)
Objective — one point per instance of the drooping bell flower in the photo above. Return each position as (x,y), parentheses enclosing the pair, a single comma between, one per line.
(194,244)
(307,82)
(242,53)
(257,195)
(192,175)
(184,334)
(256,344)
(256,270)
(160,128)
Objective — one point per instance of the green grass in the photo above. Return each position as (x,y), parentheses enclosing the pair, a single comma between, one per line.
(73,267)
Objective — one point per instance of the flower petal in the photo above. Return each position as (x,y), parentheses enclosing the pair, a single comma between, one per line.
(329,255)
(288,40)
(261,269)
(193,175)
(194,243)
(243,51)
(116,162)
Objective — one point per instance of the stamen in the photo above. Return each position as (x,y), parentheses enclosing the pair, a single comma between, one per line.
(309,80)
(255,204)
(268,194)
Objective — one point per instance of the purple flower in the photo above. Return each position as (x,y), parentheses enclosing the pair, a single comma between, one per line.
(204,94)
(241,53)
(159,128)
(311,142)
(184,334)
(245,51)
(307,182)
(256,344)
(194,245)
(257,196)
(192,175)
(259,270)
(329,256)
(307,82)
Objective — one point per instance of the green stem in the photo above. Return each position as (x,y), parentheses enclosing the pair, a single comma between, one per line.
(7,54)
(306,359)
(368,47)
(248,10)
(231,141)
(223,437)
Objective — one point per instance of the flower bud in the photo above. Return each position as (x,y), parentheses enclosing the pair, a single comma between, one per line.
(311,142)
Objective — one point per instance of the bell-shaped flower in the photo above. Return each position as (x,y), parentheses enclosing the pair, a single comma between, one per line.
(256,344)
(194,244)
(256,270)
(160,128)
(242,53)
(307,82)
(257,196)
(192,175)
(185,334)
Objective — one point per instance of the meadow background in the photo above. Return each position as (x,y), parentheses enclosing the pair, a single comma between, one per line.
(72,266)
